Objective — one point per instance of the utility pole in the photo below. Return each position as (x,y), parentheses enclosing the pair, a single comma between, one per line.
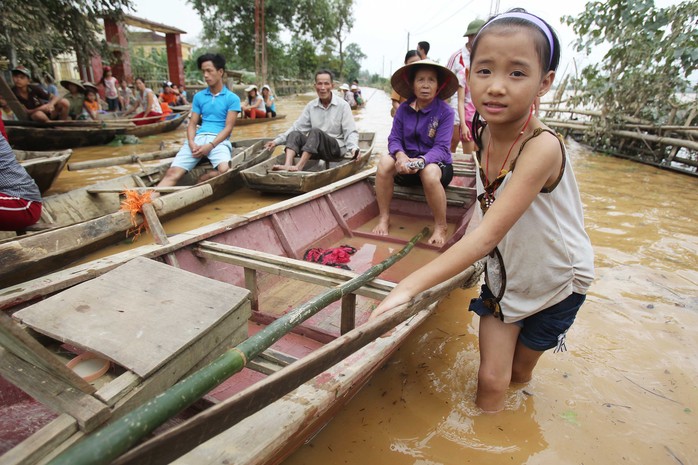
(408,42)
(260,41)
(494,7)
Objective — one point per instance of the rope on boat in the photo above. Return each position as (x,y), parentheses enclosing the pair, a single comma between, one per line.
(133,203)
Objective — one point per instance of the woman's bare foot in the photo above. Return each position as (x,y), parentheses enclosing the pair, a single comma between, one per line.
(381,229)
(439,236)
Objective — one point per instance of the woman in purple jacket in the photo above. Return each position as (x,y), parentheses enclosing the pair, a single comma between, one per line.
(419,142)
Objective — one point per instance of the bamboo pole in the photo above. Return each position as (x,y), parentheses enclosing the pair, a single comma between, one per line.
(116,438)
(123,160)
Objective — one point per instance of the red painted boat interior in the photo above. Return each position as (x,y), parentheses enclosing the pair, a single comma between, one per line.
(345,217)
(20,416)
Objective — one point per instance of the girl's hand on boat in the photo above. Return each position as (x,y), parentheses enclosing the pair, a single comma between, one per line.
(389,303)
(270,145)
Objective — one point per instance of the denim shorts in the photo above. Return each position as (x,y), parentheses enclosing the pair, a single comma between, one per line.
(219,154)
(542,330)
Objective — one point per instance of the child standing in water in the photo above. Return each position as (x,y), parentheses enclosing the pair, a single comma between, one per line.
(539,260)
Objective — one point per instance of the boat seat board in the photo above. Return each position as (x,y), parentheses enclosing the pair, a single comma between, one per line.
(139,315)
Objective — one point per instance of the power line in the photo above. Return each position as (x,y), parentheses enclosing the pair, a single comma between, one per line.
(450,16)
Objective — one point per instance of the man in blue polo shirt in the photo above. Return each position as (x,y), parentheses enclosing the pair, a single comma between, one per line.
(216,109)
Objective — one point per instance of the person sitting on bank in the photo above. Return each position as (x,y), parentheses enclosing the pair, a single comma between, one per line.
(6,113)
(419,142)
(146,100)
(75,97)
(40,105)
(126,98)
(181,98)
(168,95)
(325,130)
(49,84)
(254,107)
(91,107)
(269,101)
(20,199)
(216,108)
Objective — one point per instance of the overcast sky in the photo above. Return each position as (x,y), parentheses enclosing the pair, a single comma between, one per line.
(381,26)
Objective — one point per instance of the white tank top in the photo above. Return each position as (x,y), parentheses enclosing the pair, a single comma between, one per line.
(547,254)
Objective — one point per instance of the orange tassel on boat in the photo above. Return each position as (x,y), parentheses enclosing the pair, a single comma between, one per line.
(133,203)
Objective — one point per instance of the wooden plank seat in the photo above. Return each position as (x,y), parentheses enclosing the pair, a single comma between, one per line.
(156,322)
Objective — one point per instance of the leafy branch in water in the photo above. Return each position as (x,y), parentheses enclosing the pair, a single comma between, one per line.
(649,66)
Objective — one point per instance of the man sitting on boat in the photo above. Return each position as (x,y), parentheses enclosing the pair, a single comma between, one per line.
(41,106)
(419,142)
(20,199)
(325,130)
(216,108)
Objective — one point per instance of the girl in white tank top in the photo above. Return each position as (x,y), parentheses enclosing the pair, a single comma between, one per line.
(539,260)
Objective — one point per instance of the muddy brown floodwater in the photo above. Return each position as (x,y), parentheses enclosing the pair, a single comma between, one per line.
(624,392)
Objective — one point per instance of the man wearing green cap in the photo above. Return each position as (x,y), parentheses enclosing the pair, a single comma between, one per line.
(461,102)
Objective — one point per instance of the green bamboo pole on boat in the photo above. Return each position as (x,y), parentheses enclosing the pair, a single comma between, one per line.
(105,445)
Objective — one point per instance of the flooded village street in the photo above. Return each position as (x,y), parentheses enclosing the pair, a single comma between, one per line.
(624,392)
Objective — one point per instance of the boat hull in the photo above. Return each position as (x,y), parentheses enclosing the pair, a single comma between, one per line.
(59,138)
(43,167)
(261,251)
(316,173)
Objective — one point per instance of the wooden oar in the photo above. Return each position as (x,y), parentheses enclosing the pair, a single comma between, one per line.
(109,442)
(113,190)
(124,160)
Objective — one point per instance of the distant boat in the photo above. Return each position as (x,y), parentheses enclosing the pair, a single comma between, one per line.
(246,121)
(173,121)
(51,137)
(43,167)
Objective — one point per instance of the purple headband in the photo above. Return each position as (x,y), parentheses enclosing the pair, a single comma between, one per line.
(531,19)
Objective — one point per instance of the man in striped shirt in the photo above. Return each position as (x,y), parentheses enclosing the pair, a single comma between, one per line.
(20,199)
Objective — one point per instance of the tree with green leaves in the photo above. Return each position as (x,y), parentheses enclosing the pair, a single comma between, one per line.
(352,64)
(343,18)
(652,57)
(318,28)
(34,31)
(231,22)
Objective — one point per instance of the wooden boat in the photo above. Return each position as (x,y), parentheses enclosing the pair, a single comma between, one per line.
(84,220)
(263,413)
(43,167)
(315,174)
(173,121)
(58,138)
(247,121)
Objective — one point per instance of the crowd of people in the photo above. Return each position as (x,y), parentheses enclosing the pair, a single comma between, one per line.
(531,234)
(83,100)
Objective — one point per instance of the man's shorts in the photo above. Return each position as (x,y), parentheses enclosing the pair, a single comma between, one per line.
(542,330)
(222,153)
(414,179)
